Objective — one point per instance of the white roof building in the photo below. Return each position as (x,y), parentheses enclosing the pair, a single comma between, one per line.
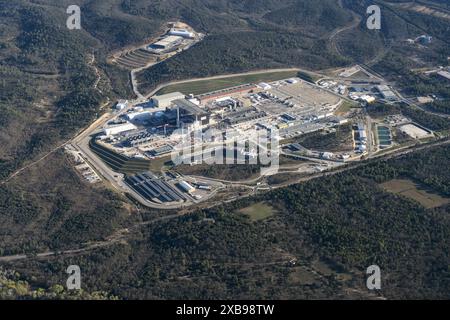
(165,100)
(186,187)
(264,86)
(367,98)
(138,116)
(113,130)
(444,74)
(181,33)
(121,104)
(386,92)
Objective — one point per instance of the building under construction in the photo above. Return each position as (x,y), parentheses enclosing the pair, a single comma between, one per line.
(188,112)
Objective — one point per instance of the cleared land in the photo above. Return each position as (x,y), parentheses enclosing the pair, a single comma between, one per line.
(415,192)
(231,172)
(414,131)
(204,86)
(258,211)
(345,107)
(339,140)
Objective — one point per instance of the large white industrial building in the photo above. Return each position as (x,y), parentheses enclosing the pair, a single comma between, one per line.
(121,104)
(138,116)
(186,187)
(386,92)
(167,42)
(165,100)
(113,130)
(181,33)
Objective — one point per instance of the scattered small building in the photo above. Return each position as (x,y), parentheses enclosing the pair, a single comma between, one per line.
(327,155)
(121,104)
(424,39)
(338,120)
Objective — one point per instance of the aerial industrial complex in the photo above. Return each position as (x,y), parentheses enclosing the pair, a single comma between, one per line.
(154,130)
(141,146)
(292,106)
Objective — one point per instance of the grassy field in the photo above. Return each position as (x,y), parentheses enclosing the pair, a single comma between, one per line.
(301,276)
(345,107)
(258,211)
(203,86)
(415,192)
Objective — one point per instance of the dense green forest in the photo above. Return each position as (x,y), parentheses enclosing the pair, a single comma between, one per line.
(12,286)
(334,227)
(440,106)
(46,64)
(265,42)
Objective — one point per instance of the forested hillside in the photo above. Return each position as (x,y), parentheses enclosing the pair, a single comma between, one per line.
(292,35)
(333,228)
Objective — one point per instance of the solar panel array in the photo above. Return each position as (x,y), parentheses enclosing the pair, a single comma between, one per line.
(154,189)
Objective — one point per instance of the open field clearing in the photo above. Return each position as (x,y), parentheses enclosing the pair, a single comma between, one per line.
(258,211)
(415,192)
(203,86)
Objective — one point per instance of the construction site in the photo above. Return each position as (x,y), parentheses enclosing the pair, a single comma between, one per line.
(139,143)
(291,106)
(142,147)
(176,37)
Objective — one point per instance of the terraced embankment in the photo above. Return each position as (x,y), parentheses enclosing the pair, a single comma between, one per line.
(118,162)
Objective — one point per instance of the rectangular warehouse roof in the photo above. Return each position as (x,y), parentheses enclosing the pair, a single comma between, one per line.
(167,41)
(189,107)
(172,95)
(112,130)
